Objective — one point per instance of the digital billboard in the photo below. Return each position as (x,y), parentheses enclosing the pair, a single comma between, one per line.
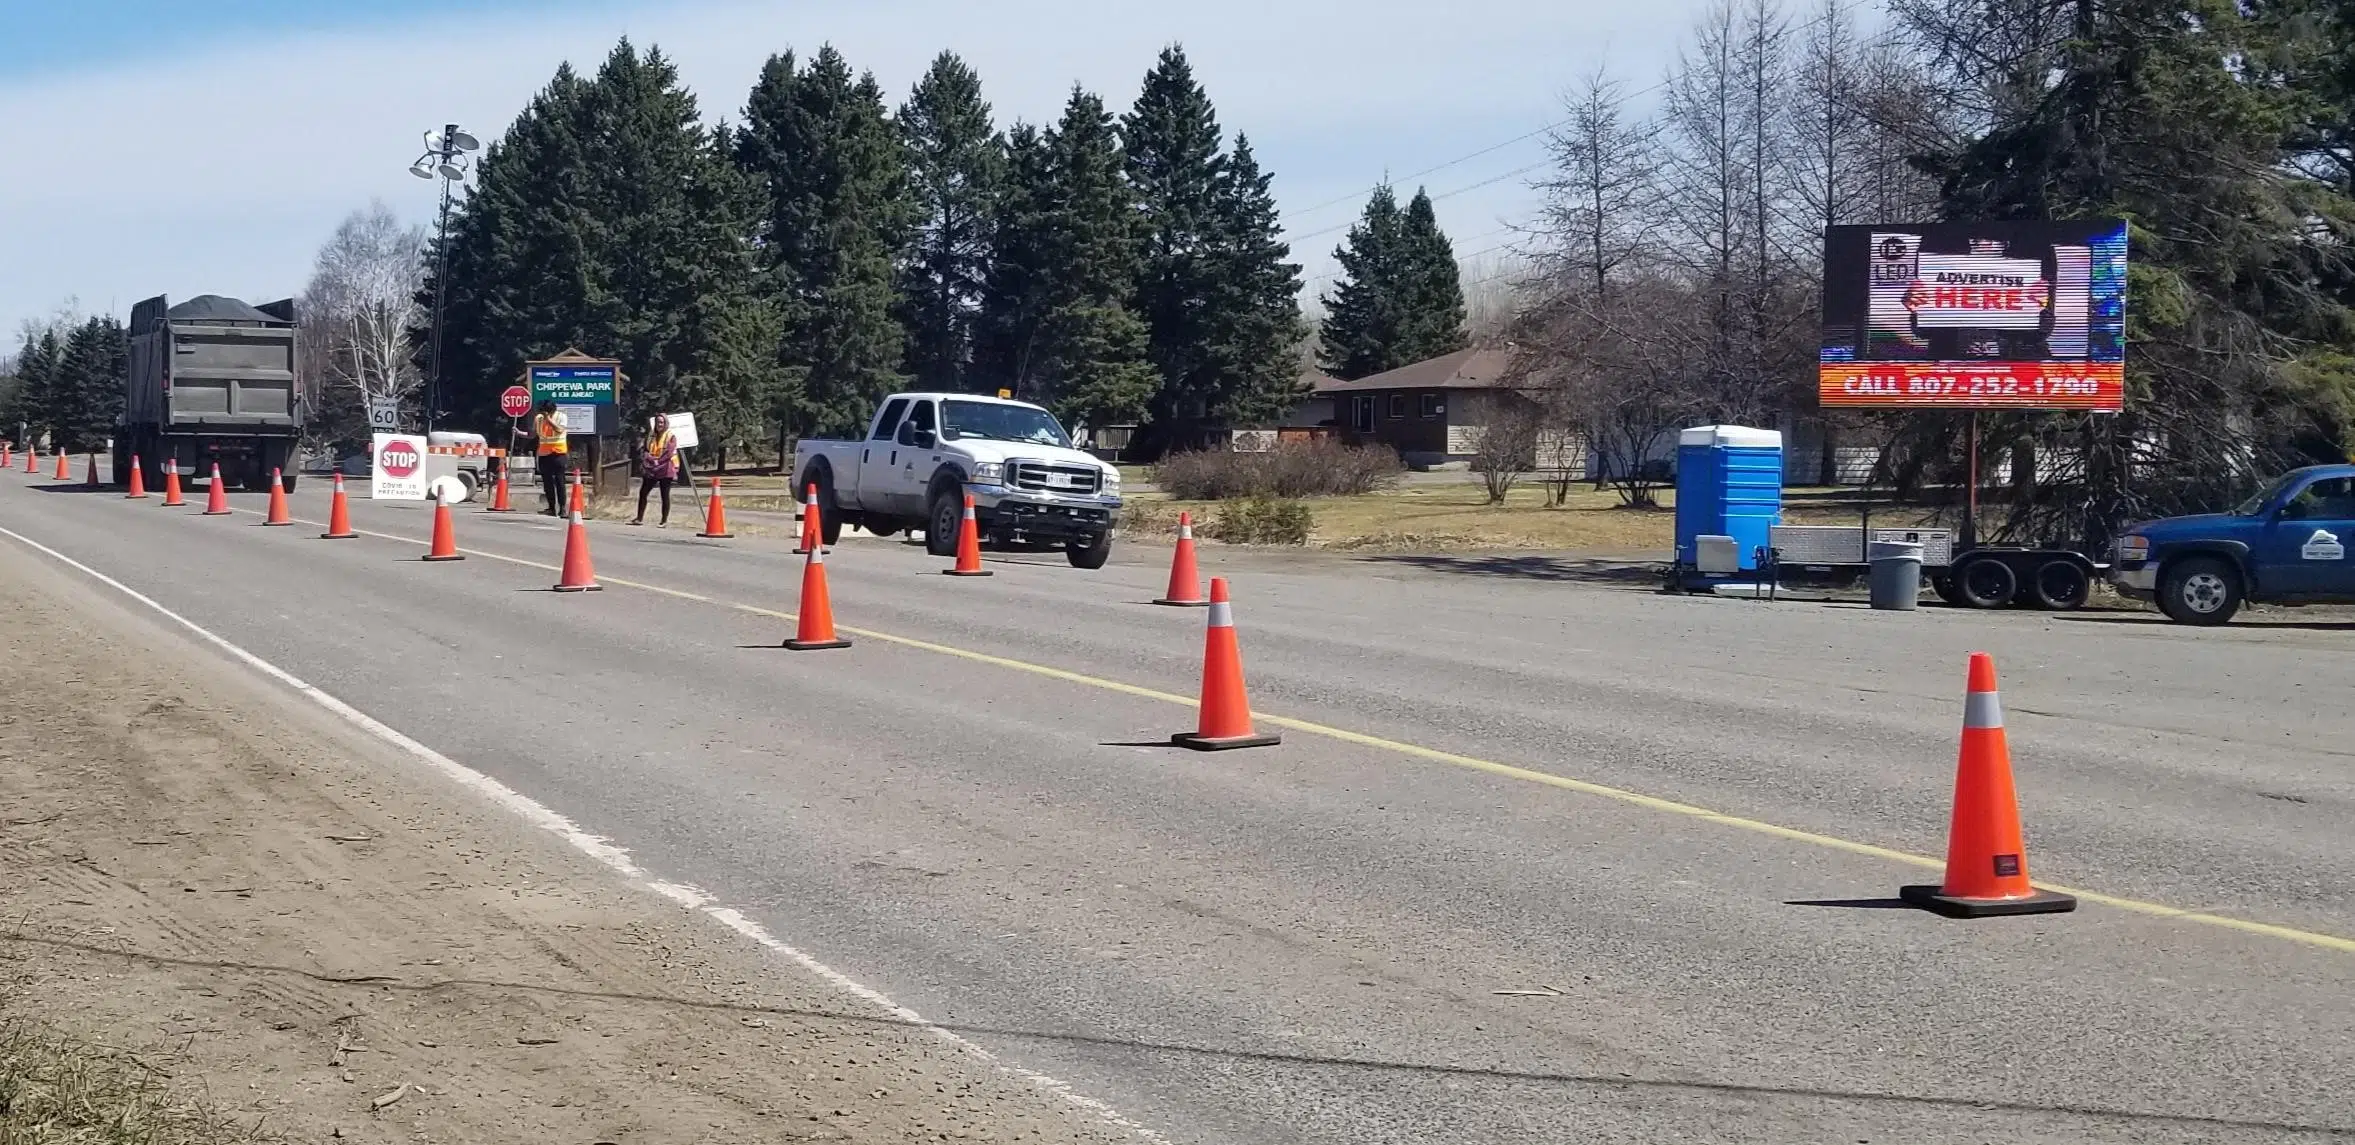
(1975,316)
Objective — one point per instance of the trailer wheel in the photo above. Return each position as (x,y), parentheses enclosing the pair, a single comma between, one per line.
(1944,585)
(2061,585)
(1985,582)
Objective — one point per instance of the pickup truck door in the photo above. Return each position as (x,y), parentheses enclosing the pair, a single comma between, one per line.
(915,454)
(873,485)
(2308,548)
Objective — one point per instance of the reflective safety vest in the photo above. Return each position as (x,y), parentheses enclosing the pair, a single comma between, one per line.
(553,442)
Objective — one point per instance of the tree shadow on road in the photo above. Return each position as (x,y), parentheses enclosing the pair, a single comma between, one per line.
(400,983)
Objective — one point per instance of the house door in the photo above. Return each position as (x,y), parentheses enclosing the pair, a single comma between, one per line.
(1361,413)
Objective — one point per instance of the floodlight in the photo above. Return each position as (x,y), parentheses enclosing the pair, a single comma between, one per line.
(464,142)
(422,168)
(451,171)
(433,141)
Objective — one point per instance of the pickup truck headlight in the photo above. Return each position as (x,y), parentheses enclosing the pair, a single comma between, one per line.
(988,473)
(1111,483)
(2134,548)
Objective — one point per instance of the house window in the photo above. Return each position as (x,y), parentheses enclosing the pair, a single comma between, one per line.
(1397,406)
(1431,405)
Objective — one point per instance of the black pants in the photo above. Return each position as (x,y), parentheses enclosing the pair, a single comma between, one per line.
(553,469)
(648,485)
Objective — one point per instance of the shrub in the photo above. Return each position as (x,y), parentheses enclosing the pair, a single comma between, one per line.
(1317,468)
(1262,521)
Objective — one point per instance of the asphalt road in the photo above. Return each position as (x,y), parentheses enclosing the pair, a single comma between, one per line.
(1538,860)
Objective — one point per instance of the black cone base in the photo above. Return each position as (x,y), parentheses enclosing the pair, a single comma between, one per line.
(1224,743)
(2042,902)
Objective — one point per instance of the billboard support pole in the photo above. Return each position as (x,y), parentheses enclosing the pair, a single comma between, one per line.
(1970,521)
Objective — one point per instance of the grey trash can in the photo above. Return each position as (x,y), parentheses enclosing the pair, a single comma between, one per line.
(1896,575)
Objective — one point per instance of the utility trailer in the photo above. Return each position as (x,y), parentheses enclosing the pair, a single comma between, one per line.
(210,381)
(1981,576)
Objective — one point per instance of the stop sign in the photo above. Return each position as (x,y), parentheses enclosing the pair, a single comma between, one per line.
(515,402)
(399,459)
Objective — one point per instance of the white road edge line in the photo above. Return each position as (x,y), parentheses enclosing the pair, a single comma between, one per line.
(596,847)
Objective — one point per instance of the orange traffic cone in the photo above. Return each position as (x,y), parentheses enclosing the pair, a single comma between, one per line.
(172,498)
(577,576)
(968,545)
(579,505)
(65,471)
(715,515)
(445,535)
(1986,865)
(1185,581)
(499,496)
(138,481)
(814,616)
(1226,714)
(216,502)
(278,514)
(339,516)
(32,459)
(90,472)
(810,533)
(7,453)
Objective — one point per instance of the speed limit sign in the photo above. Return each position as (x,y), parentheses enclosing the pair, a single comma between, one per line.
(384,415)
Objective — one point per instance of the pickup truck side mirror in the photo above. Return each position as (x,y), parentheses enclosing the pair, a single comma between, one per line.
(915,438)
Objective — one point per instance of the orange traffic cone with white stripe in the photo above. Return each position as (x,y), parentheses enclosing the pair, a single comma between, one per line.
(578,575)
(65,469)
(499,502)
(90,472)
(138,481)
(1226,713)
(1185,581)
(172,498)
(7,454)
(216,500)
(811,534)
(339,516)
(445,535)
(1986,865)
(813,628)
(968,545)
(715,515)
(32,459)
(579,505)
(278,514)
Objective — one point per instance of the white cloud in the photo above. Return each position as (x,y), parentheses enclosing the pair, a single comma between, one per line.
(222,171)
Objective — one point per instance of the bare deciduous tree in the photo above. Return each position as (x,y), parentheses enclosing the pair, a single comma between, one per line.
(356,316)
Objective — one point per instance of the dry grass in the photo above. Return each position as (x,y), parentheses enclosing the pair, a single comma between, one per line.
(59,1090)
(1455,517)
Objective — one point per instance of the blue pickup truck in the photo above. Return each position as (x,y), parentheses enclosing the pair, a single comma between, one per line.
(2290,544)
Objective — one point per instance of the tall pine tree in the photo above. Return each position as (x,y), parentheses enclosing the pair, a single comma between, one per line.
(86,386)
(1253,354)
(1400,299)
(1056,318)
(32,407)
(820,144)
(1172,139)
(955,164)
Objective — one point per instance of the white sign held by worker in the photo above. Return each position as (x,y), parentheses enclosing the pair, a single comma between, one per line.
(399,470)
(384,415)
(683,429)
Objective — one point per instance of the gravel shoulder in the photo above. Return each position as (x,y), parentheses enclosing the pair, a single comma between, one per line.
(298,926)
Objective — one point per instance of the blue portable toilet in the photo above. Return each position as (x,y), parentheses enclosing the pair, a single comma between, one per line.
(1729,483)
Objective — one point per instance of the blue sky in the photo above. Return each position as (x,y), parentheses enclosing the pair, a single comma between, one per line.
(212,147)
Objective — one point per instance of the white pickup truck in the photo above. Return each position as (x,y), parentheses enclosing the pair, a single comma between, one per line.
(925,452)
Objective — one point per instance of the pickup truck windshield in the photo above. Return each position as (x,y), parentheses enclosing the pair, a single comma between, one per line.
(2256,504)
(997,422)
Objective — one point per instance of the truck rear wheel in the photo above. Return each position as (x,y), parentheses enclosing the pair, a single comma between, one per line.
(2060,585)
(1984,582)
(2205,591)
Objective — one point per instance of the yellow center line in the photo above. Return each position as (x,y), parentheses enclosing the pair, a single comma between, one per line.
(2331,942)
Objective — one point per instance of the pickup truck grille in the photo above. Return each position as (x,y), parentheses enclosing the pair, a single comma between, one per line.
(1040,477)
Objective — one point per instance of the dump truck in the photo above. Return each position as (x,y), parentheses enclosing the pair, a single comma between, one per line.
(211,381)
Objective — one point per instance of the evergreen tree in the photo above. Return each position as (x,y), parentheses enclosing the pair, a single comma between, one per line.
(955,162)
(1172,140)
(1253,354)
(1400,299)
(1432,289)
(86,386)
(820,144)
(1363,313)
(1056,313)
(32,405)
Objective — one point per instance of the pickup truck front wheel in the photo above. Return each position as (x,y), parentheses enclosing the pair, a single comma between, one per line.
(2205,591)
(1092,553)
(942,519)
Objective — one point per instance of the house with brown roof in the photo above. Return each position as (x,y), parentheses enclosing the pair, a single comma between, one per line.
(1432,412)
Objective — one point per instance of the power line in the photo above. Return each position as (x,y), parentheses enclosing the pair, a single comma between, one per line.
(1488,182)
